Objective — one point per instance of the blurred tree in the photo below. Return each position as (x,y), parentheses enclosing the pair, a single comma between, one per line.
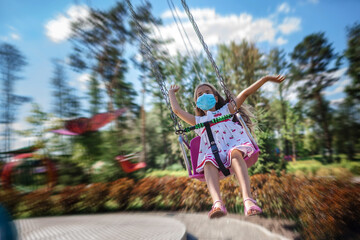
(295,121)
(72,104)
(37,120)
(346,128)
(348,134)
(59,84)
(312,62)
(11,64)
(94,95)
(242,65)
(65,101)
(99,45)
(352,53)
(277,64)
(265,137)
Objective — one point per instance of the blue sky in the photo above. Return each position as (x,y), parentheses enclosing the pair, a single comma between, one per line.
(37,29)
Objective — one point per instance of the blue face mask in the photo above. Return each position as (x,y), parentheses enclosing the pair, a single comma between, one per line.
(206,102)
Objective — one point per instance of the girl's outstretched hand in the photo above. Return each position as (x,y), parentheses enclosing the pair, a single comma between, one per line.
(174,88)
(276,79)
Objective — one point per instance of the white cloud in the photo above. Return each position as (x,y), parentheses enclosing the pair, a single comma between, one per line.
(59,29)
(217,28)
(290,25)
(281,41)
(337,101)
(339,86)
(15,36)
(12,35)
(284,8)
(82,82)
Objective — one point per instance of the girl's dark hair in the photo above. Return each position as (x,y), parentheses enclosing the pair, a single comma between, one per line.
(244,109)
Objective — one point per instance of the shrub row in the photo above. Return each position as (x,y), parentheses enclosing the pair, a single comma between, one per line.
(322,207)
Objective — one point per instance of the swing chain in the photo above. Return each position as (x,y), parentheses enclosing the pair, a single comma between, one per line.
(146,52)
(209,55)
(222,83)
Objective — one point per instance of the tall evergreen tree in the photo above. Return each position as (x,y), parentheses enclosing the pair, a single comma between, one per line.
(347,128)
(94,95)
(313,62)
(352,53)
(242,67)
(12,62)
(278,64)
(99,46)
(65,102)
(59,85)
(72,104)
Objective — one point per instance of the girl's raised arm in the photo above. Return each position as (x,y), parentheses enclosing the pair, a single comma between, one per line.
(187,117)
(253,88)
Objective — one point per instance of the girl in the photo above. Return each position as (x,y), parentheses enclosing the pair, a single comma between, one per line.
(232,142)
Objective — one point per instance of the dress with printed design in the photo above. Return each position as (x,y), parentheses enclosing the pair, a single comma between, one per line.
(228,136)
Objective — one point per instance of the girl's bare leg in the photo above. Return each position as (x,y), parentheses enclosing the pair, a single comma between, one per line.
(238,165)
(212,180)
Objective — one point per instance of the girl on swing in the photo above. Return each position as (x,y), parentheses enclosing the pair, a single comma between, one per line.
(232,141)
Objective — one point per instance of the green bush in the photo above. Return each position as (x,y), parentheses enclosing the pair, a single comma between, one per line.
(355,169)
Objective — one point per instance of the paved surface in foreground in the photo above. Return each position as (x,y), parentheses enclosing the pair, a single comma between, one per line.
(129,226)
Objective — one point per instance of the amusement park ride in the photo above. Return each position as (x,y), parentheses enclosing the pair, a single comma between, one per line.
(26,165)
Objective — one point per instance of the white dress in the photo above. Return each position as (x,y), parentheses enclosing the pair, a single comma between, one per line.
(228,136)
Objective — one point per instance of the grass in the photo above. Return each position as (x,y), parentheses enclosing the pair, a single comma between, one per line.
(162,173)
(311,166)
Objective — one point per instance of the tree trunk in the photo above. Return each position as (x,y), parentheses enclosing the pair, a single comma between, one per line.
(143,126)
(284,117)
(325,126)
(293,144)
(163,136)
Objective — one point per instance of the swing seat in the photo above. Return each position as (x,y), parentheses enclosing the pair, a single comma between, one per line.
(128,166)
(194,154)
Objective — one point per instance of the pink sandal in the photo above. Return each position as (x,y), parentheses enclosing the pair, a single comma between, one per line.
(217,212)
(255,208)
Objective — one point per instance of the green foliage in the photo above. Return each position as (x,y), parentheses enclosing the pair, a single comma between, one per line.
(265,137)
(313,60)
(12,62)
(346,128)
(344,169)
(167,172)
(95,95)
(352,53)
(241,65)
(70,173)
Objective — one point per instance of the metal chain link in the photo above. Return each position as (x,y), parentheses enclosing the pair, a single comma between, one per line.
(208,53)
(176,20)
(146,52)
